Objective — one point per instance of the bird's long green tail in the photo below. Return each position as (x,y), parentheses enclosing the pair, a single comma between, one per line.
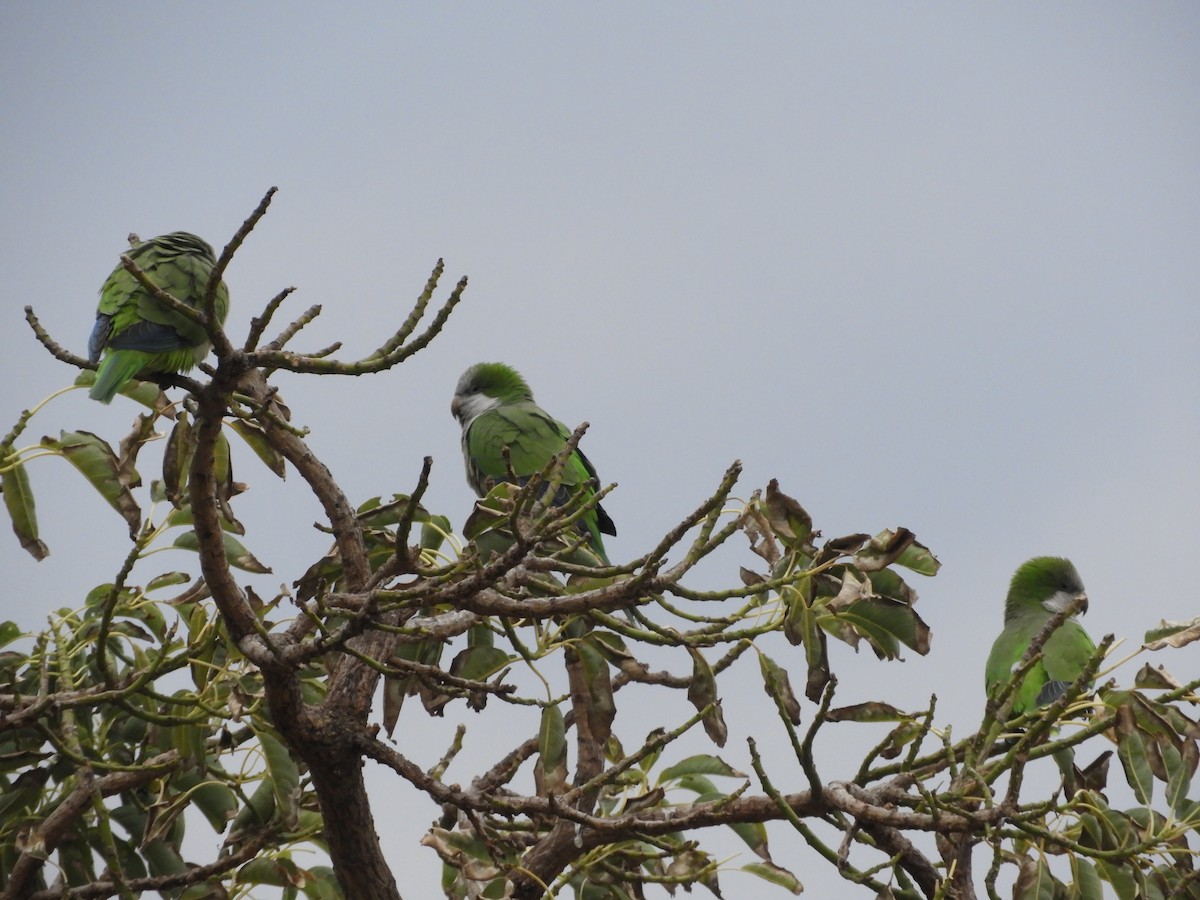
(118,368)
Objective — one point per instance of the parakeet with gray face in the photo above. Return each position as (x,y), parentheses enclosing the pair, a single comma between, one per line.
(495,407)
(1040,588)
(139,336)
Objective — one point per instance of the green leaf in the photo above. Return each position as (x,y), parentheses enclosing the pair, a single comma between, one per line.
(217,802)
(697,784)
(284,775)
(237,555)
(1131,751)
(1180,767)
(9,632)
(550,771)
(167,579)
(1121,879)
(378,514)
(918,558)
(258,810)
(775,875)
(435,532)
(176,458)
(1085,880)
(148,394)
(322,884)
(701,764)
(1035,881)
(18,499)
(479,663)
(97,462)
(884,623)
(256,440)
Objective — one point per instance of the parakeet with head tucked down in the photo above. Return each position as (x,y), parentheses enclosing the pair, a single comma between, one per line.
(495,407)
(1040,588)
(137,334)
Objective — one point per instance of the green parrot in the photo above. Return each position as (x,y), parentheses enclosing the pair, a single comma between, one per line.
(1040,588)
(136,333)
(495,407)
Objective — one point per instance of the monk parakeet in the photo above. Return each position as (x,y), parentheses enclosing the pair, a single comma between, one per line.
(495,407)
(136,333)
(1040,588)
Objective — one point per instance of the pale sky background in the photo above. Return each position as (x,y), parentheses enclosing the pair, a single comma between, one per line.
(932,265)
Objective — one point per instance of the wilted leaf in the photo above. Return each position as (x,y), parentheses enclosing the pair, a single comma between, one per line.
(790,522)
(1094,776)
(18,499)
(702,693)
(779,687)
(1173,634)
(1149,676)
(749,578)
(130,446)
(872,711)
(883,549)
(643,801)
(841,546)
(601,709)
(695,867)
(757,529)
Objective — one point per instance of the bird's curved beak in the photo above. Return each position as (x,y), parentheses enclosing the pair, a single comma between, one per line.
(1083,609)
(454,405)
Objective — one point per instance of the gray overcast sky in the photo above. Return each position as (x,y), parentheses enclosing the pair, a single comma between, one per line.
(932,265)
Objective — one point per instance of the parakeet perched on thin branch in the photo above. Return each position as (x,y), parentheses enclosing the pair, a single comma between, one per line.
(1040,588)
(495,407)
(137,334)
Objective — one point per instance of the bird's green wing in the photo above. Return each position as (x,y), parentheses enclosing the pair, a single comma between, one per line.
(532,437)
(183,275)
(138,334)
(1064,657)
(1006,654)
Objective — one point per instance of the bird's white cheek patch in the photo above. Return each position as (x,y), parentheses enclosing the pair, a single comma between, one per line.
(1058,601)
(473,406)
